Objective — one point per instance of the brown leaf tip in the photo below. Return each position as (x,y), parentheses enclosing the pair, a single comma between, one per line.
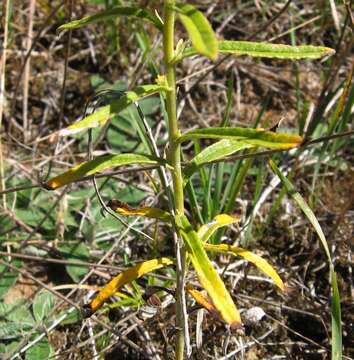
(115,204)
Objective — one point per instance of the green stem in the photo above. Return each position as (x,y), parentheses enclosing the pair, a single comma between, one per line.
(175,161)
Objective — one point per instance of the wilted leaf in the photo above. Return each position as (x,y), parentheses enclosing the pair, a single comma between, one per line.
(149,212)
(99,164)
(203,300)
(112,13)
(207,275)
(103,114)
(262,264)
(213,152)
(257,137)
(267,50)
(221,220)
(199,30)
(124,278)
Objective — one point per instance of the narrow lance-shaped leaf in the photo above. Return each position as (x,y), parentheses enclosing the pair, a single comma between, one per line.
(199,30)
(124,278)
(336,307)
(146,211)
(221,220)
(261,264)
(212,153)
(103,114)
(267,50)
(256,137)
(207,275)
(99,164)
(112,13)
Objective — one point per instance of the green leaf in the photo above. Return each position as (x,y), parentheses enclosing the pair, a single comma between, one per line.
(103,114)
(267,50)
(207,230)
(336,321)
(43,303)
(213,152)
(199,30)
(99,164)
(40,351)
(262,264)
(255,137)
(112,13)
(8,277)
(76,252)
(207,275)
(303,206)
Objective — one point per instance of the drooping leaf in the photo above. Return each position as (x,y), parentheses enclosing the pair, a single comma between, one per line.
(203,300)
(207,230)
(213,152)
(43,303)
(124,278)
(146,211)
(199,30)
(99,164)
(103,114)
(207,275)
(112,13)
(267,50)
(256,137)
(261,264)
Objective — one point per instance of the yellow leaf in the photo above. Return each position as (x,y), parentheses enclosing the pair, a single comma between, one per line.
(262,264)
(219,221)
(150,212)
(124,278)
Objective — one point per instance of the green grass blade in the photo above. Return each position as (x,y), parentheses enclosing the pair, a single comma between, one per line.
(207,275)
(336,320)
(267,50)
(336,309)
(199,30)
(129,11)
(255,137)
(99,164)
(103,114)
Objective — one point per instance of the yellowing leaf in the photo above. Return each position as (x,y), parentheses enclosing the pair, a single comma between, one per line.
(207,230)
(257,137)
(149,212)
(199,30)
(203,300)
(207,275)
(101,163)
(262,264)
(103,114)
(126,277)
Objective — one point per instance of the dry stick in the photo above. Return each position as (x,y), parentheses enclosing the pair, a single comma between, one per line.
(27,71)
(248,38)
(59,261)
(2,96)
(35,40)
(66,61)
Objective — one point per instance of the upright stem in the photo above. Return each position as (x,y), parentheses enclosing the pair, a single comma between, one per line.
(175,160)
